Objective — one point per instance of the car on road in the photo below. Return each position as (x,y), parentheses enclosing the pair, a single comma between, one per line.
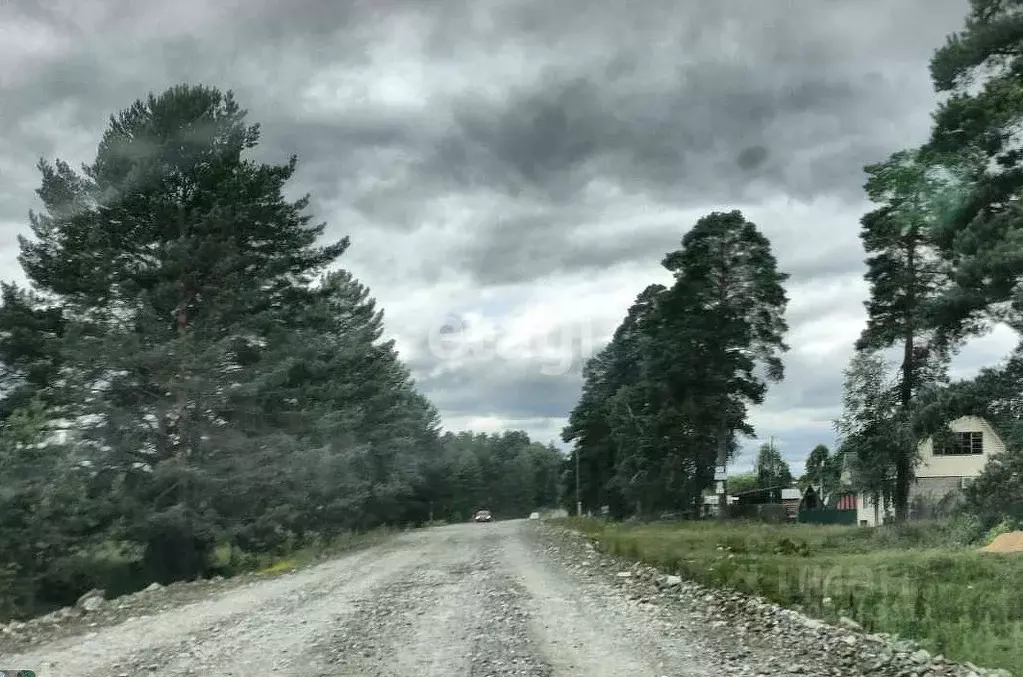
(483,516)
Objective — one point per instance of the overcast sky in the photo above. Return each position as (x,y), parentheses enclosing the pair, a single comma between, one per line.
(519,168)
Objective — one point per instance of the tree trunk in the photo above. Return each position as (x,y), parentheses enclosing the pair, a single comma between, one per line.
(903,463)
(722,457)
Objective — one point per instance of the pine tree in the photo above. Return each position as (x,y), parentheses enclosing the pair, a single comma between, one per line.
(663,401)
(723,322)
(602,427)
(976,131)
(47,516)
(340,382)
(906,275)
(180,264)
(31,332)
(816,461)
(633,409)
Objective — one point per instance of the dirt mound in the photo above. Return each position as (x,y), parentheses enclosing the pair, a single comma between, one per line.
(1010,542)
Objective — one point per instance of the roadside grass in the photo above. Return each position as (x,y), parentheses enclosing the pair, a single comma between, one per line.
(279,566)
(918,581)
(237,562)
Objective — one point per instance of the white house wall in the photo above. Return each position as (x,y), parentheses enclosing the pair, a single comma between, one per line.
(960,466)
(936,475)
(866,513)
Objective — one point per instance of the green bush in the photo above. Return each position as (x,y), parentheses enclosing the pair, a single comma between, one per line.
(965,529)
(997,493)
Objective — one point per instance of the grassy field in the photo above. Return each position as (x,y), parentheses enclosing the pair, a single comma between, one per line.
(919,581)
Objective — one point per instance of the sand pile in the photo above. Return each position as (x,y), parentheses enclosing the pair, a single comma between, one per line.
(1010,542)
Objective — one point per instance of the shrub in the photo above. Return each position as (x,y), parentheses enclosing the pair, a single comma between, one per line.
(965,529)
(997,493)
(786,546)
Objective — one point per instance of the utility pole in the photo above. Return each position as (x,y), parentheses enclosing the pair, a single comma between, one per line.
(777,469)
(578,499)
(721,471)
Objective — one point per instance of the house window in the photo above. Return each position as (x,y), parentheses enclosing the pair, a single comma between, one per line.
(964,444)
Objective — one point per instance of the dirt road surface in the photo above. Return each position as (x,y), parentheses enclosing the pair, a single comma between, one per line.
(474,600)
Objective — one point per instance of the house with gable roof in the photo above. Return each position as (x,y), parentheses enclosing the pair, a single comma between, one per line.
(942,471)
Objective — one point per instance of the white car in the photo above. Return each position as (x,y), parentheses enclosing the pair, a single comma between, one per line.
(534,515)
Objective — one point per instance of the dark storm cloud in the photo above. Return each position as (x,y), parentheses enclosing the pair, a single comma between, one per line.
(809,383)
(690,117)
(688,142)
(524,248)
(332,154)
(515,390)
(692,103)
(652,92)
(752,157)
(520,248)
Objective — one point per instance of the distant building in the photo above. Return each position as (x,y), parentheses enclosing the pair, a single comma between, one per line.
(774,504)
(791,498)
(940,473)
(811,499)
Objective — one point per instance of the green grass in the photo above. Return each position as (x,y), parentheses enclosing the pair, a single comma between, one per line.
(279,566)
(919,581)
(310,554)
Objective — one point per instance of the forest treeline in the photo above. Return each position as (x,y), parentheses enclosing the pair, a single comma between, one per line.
(193,372)
(670,395)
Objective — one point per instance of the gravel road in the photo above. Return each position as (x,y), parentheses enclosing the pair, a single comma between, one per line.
(479,600)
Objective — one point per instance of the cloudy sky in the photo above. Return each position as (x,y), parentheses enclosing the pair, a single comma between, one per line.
(517,168)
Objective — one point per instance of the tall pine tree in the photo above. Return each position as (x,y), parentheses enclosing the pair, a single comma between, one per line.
(663,402)
(180,263)
(906,274)
(724,317)
(977,130)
